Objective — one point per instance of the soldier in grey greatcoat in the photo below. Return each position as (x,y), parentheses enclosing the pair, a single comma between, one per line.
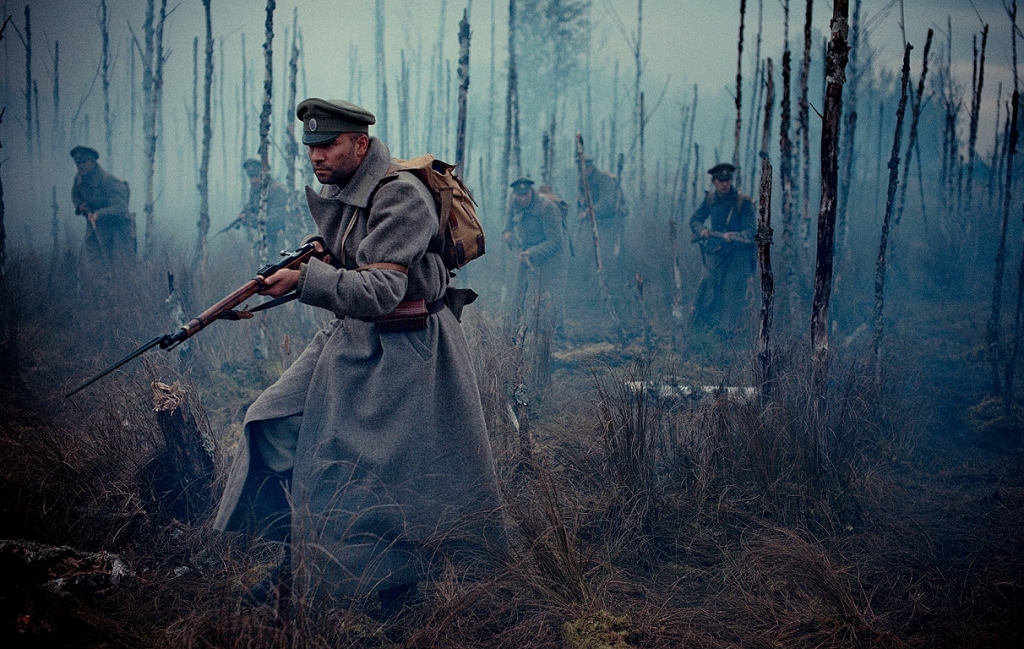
(534,232)
(370,453)
(103,200)
(609,208)
(725,226)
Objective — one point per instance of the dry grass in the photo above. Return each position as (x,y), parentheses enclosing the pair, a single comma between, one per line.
(637,521)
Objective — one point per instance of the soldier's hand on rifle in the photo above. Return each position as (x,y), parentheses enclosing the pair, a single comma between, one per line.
(280,283)
(285,280)
(524,257)
(705,233)
(92,218)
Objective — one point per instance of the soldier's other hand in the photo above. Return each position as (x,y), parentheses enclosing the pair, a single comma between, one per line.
(728,236)
(92,219)
(705,233)
(524,256)
(321,252)
(280,283)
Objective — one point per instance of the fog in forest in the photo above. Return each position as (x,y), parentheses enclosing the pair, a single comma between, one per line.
(795,475)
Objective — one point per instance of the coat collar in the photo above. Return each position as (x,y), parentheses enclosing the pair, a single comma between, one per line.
(360,188)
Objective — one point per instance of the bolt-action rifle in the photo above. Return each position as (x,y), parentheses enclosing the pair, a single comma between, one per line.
(223,310)
(234,225)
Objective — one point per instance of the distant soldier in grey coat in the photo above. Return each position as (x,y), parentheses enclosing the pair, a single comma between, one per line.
(609,208)
(277,206)
(103,200)
(370,453)
(724,225)
(534,232)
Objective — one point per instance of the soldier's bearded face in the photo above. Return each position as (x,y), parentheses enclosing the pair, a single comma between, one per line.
(335,162)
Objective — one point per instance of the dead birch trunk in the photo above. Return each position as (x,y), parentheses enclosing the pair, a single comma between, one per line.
(108,125)
(835,73)
(992,340)
(460,133)
(55,235)
(293,144)
(757,87)
(915,115)
(972,142)
(849,142)
(894,168)
(193,114)
(739,87)
(268,96)
(789,260)
(511,158)
(613,316)
(1012,363)
(764,243)
(382,81)
(645,317)
(58,132)
(204,164)
(154,65)
(27,41)
(804,124)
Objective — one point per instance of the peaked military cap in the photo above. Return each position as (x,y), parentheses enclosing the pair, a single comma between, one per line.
(323,120)
(722,171)
(521,182)
(252,167)
(83,153)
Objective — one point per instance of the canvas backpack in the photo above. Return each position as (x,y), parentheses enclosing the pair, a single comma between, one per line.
(460,237)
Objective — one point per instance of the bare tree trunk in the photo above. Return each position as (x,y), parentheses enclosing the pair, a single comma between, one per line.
(1012,363)
(848,151)
(835,73)
(739,87)
(975,114)
(589,203)
(193,114)
(638,65)
(55,235)
(764,262)
(757,87)
(153,73)
(764,243)
(382,81)
(293,144)
(789,257)
(992,341)
(915,114)
(894,168)
(460,134)
(804,123)
(107,124)
(58,132)
(27,40)
(204,165)
(268,96)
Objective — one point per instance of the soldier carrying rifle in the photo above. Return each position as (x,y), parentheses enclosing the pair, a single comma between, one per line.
(724,225)
(103,200)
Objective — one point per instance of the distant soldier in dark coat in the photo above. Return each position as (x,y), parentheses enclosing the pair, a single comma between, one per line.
(534,232)
(724,225)
(103,200)
(370,452)
(277,207)
(609,208)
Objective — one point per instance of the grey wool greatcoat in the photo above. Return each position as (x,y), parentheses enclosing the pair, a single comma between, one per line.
(392,459)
